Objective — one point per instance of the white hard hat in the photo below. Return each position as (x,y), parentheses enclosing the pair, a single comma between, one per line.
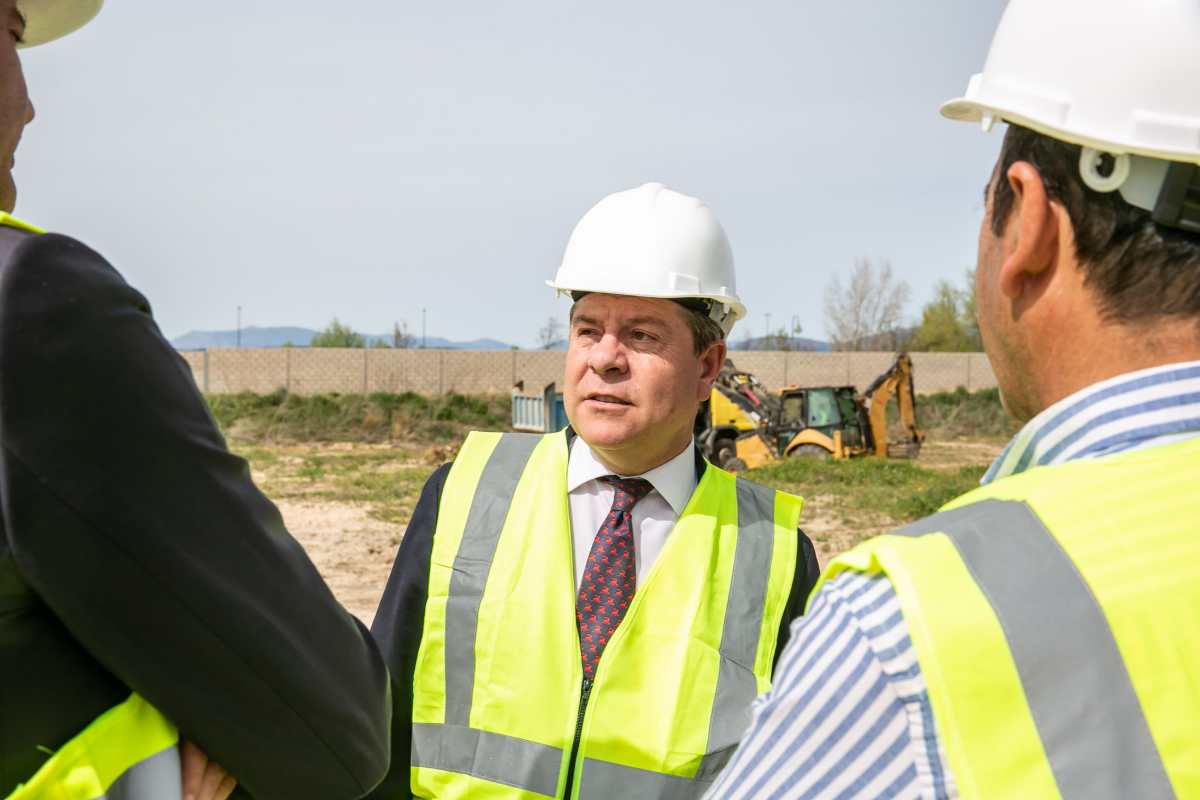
(653,242)
(47,20)
(1118,77)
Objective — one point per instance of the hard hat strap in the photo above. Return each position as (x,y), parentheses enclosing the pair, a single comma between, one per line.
(717,312)
(1178,204)
(1169,190)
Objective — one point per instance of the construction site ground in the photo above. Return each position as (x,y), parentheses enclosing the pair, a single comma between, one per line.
(349,503)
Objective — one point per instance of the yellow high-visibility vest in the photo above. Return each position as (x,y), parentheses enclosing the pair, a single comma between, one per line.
(496,707)
(1056,618)
(128,753)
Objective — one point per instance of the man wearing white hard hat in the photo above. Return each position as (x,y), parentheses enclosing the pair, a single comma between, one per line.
(1040,636)
(149,594)
(590,613)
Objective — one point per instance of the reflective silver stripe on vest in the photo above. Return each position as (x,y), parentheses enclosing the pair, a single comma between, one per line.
(605,779)
(473,563)
(736,684)
(1083,702)
(455,746)
(154,778)
(493,757)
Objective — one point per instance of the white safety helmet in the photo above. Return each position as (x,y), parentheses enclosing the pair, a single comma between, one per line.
(1119,77)
(652,242)
(47,20)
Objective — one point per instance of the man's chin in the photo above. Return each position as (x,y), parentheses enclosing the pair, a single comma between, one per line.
(8,193)
(606,433)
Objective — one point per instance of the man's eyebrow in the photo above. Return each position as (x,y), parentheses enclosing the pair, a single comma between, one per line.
(629,323)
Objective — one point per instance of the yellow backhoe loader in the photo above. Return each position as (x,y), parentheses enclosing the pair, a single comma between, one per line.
(743,425)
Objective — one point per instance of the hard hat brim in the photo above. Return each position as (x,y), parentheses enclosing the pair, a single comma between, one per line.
(736,309)
(47,20)
(966,109)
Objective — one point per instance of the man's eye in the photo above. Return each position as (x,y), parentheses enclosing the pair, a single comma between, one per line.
(642,336)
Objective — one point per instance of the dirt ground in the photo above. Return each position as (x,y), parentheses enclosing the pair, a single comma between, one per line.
(834,528)
(348,505)
(353,551)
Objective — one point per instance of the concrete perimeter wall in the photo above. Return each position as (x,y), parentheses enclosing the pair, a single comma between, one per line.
(434,372)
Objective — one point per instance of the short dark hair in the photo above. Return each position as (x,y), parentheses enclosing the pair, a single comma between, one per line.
(705,330)
(1140,270)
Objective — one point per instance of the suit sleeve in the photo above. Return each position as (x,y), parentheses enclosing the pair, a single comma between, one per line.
(127,514)
(807,573)
(398,627)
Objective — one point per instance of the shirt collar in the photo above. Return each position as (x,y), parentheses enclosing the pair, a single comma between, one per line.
(1130,411)
(675,480)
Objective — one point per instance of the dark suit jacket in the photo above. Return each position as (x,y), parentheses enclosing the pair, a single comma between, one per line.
(400,620)
(137,554)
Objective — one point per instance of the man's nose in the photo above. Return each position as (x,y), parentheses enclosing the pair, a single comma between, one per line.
(30,113)
(607,355)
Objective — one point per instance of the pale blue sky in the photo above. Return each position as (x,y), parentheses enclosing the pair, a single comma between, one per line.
(365,160)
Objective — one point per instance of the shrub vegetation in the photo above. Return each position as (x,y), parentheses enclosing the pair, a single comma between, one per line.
(357,418)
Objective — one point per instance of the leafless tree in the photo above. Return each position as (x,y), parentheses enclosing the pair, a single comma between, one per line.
(865,313)
(550,334)
(401,338)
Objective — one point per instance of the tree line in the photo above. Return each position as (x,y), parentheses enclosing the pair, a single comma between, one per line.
(863,312)
(866,312)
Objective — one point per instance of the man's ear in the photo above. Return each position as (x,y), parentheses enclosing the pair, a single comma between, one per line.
(711,361)
(1033,230)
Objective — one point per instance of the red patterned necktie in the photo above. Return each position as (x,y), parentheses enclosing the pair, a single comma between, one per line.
(610,576)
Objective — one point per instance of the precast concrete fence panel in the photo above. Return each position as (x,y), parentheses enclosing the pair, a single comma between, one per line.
(303,370)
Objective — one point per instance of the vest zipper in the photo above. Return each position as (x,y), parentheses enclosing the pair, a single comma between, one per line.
(583,701)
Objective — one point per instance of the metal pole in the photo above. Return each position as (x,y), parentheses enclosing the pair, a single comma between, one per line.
(239,327)
(422,329)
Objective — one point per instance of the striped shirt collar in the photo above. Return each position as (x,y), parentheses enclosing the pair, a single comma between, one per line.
(1138,409)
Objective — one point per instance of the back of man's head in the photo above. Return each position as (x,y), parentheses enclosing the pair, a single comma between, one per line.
(1139,270)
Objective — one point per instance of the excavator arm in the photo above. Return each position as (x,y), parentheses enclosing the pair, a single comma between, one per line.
(896,381)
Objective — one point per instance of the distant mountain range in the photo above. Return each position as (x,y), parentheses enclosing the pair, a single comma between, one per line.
(300,337)
(772,343)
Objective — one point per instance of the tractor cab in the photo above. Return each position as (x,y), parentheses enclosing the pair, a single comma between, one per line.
(810,418)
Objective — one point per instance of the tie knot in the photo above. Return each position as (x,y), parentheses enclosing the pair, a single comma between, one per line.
(627,491)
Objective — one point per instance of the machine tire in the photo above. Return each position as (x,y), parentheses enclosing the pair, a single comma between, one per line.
(726,451)
(811,451)
(735,464)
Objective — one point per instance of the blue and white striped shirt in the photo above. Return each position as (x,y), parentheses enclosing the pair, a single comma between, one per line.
(848,715)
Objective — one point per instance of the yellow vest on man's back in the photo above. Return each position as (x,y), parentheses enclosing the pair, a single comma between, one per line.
(1056,619)
(496,708)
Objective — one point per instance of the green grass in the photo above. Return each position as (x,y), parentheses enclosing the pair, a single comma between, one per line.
(282,417)
(384,479)
(962,414)
(392,495)
(395,441)
(900,490)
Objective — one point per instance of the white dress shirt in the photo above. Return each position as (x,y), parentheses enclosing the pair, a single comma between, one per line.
(654,515)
